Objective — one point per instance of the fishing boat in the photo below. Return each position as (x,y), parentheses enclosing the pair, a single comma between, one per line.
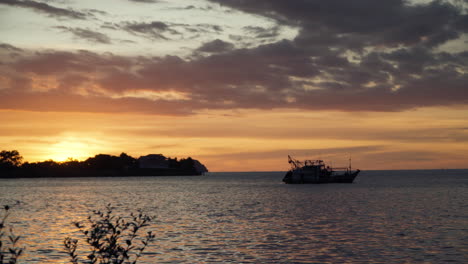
(315,171)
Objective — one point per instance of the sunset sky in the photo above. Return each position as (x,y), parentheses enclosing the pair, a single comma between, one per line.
(237,84)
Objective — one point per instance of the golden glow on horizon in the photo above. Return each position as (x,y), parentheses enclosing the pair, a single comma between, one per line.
(68,148)
(248,140)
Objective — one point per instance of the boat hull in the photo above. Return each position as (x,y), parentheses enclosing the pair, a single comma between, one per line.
(299,176)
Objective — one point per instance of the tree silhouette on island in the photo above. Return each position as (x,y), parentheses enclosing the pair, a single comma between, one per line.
(11,166)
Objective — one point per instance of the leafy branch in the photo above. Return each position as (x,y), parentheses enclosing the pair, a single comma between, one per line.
(9,251)
(112,239)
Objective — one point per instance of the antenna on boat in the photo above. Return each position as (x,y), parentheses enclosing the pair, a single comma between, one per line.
(349,162)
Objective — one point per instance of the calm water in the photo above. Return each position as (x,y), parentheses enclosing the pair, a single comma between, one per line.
(384,217)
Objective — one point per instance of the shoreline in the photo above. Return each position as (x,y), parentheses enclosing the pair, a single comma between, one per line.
(85,173)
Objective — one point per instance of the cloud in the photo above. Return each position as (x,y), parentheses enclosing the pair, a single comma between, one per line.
(97,11)
(339,65)
(373,23)
(145,1)
(216,46)
(158,30)
(46,9)
(86,34)
(202,28)
(152,30)
(9,47)
(277,75)
(261,32)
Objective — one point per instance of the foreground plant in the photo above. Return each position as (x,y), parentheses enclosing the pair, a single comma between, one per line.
(112,239)
(9,251)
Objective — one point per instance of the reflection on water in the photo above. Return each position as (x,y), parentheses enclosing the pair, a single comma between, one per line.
(384,217)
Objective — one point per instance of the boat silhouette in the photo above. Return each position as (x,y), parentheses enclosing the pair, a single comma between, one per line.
(315,171)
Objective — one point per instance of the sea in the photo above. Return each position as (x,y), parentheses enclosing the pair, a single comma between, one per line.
(410,216)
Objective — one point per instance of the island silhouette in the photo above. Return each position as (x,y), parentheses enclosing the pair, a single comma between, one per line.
(101,165)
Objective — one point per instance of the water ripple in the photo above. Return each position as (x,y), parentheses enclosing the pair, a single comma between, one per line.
(386,217)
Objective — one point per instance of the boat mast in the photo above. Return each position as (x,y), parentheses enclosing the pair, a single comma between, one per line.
(349,163)
(295,164)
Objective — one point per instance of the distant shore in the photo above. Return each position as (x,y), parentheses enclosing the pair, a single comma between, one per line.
(101,165)
(67,173)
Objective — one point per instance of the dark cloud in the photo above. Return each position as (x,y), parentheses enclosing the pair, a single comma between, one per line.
(216,28)
(145,1)
(271,76)
(192,7)
(165,30)
(9,47)
(86,34)
(350,56)
(153,30)
(206,28)
(56,63)
(261,32)
(194,31)
(97,11)
(357,24)
(46,8)
(109,25)
(216,46)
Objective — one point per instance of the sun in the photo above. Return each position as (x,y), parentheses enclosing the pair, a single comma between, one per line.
(69,148)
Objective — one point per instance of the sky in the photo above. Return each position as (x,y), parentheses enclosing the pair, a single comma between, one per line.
(237,84)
